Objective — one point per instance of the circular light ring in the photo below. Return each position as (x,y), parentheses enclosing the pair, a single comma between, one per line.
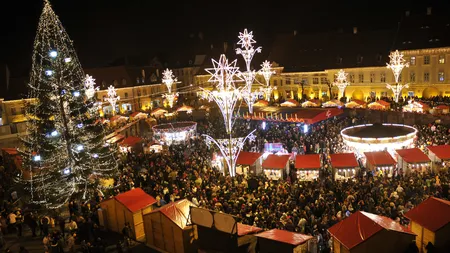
(383,141)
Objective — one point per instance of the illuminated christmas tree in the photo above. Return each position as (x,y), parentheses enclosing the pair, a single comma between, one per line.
(64,150)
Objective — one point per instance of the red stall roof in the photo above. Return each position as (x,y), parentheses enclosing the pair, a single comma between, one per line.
(441,151)
(285,236)
(11,151)
(276,161)
(344,160)
(360,226)
(131,141)
(135,199)
(431,214)
(412,155)
(243,229)
(247,158)
(177,212)
(379,158)
(308,161)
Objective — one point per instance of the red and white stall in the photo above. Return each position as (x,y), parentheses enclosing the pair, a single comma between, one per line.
(249,163)
(344,165)
(440,154)
(283,241)
(131,143)
(413,159)
(275,166)
(308,167)
(380,162)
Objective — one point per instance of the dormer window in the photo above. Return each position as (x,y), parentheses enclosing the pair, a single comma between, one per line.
(359,59)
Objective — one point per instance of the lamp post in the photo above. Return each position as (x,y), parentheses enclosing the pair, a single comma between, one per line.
(396,64)
(341,82)
(112,98)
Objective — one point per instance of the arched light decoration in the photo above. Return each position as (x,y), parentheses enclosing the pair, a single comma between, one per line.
(341,82)
(397,64)
(112,98)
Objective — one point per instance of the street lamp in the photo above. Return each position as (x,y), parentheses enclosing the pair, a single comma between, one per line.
(112,98)
(341,82)
(396,64)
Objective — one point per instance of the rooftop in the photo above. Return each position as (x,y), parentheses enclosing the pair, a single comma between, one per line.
(378,131)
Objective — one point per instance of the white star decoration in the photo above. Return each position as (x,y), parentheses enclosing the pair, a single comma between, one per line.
(89,85)
(223,73)
(168,79)
(396,64)
(246,39)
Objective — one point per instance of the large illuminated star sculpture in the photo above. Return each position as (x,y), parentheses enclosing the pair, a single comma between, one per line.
(224,74)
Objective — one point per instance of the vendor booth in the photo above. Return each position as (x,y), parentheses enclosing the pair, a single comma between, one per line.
(441,109)
(344,165)
(249,163)
(138,116)
(169,228)
(439,153)
(174,133)
(308,167)
(129,207)
(379,105)
(276,166)
(413,159)
(290,103)
(311,103)
(380,162)
(332,103)
(370,233)
(430,220)
(158,112)
(221,232)
(131,143)
(261,103)
(355,104)
(283,241)
(118,119)
(185,108)
(416,106)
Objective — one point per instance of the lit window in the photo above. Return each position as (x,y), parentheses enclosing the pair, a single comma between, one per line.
(412,76)
(361,78)
(288,81)
(352,78)
(315,80)
(426,77)
(441,76)
(383,77)
(441,59)
(126,95)
(412,61)
(372,77)
(323,80)
(426,60)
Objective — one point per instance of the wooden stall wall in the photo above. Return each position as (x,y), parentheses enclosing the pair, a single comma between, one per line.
(442,238)
(385,241)
(109,208)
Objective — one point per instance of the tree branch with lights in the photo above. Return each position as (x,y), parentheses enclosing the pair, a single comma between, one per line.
(397,63)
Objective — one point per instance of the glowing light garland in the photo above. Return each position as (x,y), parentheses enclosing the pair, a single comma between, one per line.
(112,98)
(61,124)
(170,97)
(248,52)
(397,63)
(267,72)
(341,82)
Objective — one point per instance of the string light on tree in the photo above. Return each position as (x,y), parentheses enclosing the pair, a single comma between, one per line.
(56,152)
(267,72)
(341,82)
(397,63)
(112,98)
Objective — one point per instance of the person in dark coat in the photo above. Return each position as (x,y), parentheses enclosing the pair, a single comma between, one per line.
(62,225)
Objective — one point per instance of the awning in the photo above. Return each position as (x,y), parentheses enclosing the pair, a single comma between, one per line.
(290,103)
(308,161)
(130,141)
(177,212)
(431,214)
(285,236)
(158,111)
(261,103)
(311,103)
(442,151)
(332,103)
(185,108)
(379,104)
(138,115)
(135,199)
(360,226)
(345,160)
(247,158)
(380,158)
(355,104)
(276,161)
(243,229)
(413,155)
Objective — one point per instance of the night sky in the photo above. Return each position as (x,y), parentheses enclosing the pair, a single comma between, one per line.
(106,30)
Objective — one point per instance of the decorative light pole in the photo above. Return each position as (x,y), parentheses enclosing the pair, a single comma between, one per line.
(341,82)
(89,85)
(112,98)
(266,72)
(169,79)
(248,51)
(226,95)
(396,64)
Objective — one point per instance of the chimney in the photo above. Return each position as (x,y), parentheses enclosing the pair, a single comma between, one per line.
(355,30)
(429,11)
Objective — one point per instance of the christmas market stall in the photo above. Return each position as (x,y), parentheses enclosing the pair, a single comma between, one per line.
(332,103)
(186,109)
(439,154)
(138,116)
(311,103)
(261,103)
(249,163)
(131,143)
(283,241)
(413,159)
(128,207)
(380,162)
(441,109)
(221,232)
(416,106)
(355,104)
(379,105)
(118,119)
(369,233)
(276,166)
(174,133)
(344,165)
(169,228)
(158,112)
(430,220)
(290,103)
(308,167)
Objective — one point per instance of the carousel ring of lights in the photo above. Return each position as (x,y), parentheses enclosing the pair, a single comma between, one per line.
(174,132)
(377,137)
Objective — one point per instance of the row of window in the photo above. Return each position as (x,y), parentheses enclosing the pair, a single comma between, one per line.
(426,60)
